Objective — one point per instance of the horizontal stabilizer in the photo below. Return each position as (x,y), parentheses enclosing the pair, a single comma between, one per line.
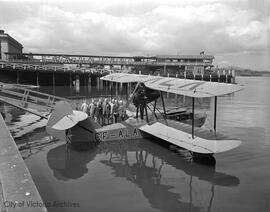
(63,117)
(185,140)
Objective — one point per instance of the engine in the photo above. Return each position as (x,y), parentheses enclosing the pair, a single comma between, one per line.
(144,95)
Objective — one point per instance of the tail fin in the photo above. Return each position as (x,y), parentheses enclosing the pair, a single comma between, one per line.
(63,117)
(63,120)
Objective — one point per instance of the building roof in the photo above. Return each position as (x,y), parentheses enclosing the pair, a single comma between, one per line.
(9,38)
(202,56)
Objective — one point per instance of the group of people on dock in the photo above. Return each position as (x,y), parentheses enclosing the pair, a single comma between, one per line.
(105,111)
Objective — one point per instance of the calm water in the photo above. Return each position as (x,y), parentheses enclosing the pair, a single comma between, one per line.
(141,175)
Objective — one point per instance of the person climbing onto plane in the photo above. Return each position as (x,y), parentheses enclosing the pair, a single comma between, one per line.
(139,100)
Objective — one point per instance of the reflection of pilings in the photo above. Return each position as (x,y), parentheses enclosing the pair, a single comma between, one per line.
(121,86)
(101,83)
(85,80)
(97,80)
(18,77)
(70,80)
(53,79)
(37,78)
(127,92)
(77,83)
(89,80)
(89,84)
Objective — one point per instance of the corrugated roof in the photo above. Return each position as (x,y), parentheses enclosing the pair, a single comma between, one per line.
(185,56)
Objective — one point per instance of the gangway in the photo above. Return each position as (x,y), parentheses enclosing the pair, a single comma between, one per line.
(29,100)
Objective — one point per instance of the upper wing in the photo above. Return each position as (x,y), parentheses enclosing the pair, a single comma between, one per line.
(126,78)
(192,88)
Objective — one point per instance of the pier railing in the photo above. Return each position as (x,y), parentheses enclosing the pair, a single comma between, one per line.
(177,60)
(22,97)
(45,67)
(109,62)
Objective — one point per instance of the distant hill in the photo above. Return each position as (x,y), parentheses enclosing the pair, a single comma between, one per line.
(248,72)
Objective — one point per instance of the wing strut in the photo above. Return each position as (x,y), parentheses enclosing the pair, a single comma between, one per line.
(155,105)
(146,114)
(193,116)
(215,115)
(132,94)
(164,109)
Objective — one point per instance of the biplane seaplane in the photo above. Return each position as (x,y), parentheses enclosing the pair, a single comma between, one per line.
(77,128)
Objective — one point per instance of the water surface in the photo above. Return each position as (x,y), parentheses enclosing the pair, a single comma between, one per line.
(143,175)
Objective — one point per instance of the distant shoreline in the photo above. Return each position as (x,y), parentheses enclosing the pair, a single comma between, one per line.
(255,75)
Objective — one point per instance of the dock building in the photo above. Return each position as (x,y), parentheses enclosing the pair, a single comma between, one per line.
(9,45)
(64,69)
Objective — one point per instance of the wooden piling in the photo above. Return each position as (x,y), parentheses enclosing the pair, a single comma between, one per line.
(18,77)
(70,80)
(37,78)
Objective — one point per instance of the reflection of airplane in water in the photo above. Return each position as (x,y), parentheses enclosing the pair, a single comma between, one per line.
(146,172)
(148,166)
(68,163)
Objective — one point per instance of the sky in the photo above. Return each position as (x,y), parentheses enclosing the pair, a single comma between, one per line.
(236,32)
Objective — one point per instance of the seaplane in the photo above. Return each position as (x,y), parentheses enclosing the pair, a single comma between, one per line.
(76,127)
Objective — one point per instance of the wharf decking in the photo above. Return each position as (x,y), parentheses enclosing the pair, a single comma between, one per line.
(18,187)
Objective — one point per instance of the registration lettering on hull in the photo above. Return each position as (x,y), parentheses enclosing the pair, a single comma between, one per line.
(118,134)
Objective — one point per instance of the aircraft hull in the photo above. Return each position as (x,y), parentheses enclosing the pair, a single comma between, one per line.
(170,131)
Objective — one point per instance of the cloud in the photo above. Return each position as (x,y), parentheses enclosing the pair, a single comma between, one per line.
(219,27)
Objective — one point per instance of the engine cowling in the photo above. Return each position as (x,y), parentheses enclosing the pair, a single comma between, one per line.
(144,95)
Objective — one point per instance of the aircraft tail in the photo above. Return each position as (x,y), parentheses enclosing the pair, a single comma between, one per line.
(83,132)
(71,125)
